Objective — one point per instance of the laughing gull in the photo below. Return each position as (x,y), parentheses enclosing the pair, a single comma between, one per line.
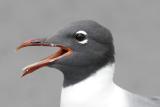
(86,59)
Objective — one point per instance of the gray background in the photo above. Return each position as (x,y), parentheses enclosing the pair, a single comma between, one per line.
(135,25)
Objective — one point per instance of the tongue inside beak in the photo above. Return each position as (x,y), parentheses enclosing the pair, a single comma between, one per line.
(63,51)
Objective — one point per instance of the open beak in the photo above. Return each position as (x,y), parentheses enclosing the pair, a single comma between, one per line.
(63,51)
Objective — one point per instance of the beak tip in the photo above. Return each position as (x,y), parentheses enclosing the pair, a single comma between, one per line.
(24,74)
(19,47)
(16,50)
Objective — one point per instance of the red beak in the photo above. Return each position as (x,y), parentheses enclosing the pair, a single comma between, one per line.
(63,51)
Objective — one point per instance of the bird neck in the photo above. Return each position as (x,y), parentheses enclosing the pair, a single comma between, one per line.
(98,85)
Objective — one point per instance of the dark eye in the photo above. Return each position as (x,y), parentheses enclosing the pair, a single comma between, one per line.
(81,36)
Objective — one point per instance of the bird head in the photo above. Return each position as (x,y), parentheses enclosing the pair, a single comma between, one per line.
(84,46)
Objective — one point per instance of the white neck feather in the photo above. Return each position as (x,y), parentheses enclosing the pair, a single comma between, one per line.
(97,88)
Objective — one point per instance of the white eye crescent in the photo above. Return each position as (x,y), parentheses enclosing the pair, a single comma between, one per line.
(82,32)
(84,41)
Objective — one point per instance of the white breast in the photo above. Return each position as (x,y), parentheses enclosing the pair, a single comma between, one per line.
(96,91)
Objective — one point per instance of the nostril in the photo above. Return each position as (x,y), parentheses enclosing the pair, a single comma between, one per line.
(36,42)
